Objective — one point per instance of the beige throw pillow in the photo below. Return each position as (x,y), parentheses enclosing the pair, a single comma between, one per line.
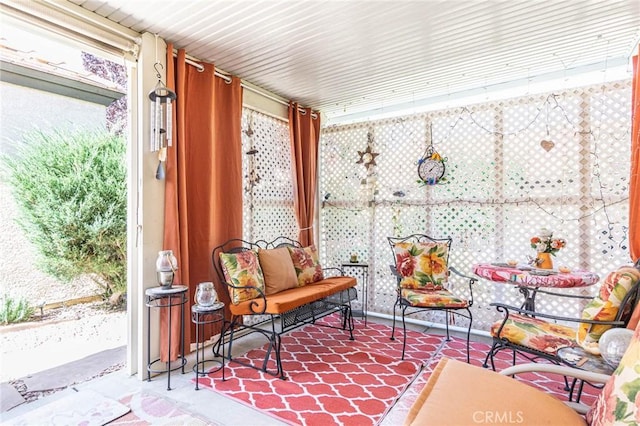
(278,270)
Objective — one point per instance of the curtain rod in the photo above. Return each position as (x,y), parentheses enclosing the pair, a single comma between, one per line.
(196,63)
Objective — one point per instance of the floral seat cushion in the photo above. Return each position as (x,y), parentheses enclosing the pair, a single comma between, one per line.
(535,333)
(441,298)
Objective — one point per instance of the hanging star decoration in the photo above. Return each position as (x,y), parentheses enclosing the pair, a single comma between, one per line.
(367,157)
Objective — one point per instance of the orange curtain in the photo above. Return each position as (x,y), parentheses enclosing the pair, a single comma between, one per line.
(634,179)
(203,192)
(304,131)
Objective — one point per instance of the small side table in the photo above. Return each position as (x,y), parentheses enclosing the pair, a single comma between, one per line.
(158,297)
(361,272)
(576,356)
(201,315)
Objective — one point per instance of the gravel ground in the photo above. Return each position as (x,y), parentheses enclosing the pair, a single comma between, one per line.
(60,336)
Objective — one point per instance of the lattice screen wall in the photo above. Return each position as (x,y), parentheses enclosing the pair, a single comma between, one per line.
(501,187)
(268,193)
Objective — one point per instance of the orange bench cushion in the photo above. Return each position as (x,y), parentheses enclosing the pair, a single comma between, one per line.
(461,394)
(287,300)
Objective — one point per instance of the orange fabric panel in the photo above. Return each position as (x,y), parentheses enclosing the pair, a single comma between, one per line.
(173,228)
(304,131)
(489,398)
(203,187)
(289,299)
(634,177)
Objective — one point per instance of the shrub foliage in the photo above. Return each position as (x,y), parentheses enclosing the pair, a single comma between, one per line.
(71,191)
(12,311)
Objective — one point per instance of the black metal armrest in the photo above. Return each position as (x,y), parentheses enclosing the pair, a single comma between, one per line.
(253,304)
(570,296)
(395,272)
(333,270)
(507,309)
(471,282)
(460,274)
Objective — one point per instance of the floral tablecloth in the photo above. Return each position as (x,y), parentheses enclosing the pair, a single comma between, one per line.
(533,277)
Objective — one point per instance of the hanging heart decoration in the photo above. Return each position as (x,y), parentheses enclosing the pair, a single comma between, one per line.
(547,145)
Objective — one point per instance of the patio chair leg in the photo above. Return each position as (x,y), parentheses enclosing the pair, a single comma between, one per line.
(218,345)
(349,321)
(469,333)
(404,332)
(490,354)
(446,323)
(580,389)
(569,387)
(393,326)
(231,331)
(278,345)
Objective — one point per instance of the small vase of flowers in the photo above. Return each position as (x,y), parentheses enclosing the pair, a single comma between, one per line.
(546,246)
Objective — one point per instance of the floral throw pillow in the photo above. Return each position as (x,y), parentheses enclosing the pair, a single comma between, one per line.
(306,263)
(242,270)
(619,401)
(422,265)
(605,306)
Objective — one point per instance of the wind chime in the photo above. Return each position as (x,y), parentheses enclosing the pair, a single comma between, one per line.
(161,129)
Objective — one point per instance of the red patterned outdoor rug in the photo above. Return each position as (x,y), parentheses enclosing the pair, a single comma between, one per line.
(456,349)
(331,380)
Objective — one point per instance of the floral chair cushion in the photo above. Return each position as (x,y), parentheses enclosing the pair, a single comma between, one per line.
(243,270)
(433,298)
(535,333)
(306,263)
(422,265)
(619,401)
(605,306)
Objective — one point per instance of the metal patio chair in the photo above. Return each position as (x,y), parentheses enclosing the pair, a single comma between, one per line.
(421,266)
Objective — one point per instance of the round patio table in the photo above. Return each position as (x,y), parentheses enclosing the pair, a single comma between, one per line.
(529,279)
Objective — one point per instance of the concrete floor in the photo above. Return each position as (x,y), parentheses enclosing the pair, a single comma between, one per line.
(202,403)
(117,385)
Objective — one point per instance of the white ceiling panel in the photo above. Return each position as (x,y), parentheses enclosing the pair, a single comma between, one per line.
(345,57)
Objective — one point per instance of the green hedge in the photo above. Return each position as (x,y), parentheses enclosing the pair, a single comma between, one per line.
(71,191)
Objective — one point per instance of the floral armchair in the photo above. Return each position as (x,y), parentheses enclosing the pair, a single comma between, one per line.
(421,267)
